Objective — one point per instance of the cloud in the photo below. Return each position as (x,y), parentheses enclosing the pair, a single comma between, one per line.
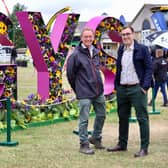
(87,9)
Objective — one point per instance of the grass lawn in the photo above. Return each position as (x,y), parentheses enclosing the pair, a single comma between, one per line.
(55,146)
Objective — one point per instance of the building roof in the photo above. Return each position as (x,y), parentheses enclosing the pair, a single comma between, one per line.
(147,6)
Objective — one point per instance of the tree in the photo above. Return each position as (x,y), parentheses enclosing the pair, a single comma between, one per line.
(17,35)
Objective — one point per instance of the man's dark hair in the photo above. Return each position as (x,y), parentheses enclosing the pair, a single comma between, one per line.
(130,27)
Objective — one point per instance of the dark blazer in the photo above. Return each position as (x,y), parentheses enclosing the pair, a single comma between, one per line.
(160,68)
(142,63)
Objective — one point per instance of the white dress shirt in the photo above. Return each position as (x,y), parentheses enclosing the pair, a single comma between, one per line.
(128,73)
(90,49)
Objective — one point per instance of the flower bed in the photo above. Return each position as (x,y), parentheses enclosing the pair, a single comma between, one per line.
(33,112)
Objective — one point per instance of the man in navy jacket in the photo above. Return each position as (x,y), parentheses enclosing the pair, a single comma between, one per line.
(133,79)
(83,72)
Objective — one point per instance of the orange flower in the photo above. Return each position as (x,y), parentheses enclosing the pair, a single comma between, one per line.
(51,75)
(102,24)
(7,93)
(10,70)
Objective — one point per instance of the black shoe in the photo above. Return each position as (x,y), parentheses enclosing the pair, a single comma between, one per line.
(116,149)
(84,148)
(142,152)
(164,105)
(96,142)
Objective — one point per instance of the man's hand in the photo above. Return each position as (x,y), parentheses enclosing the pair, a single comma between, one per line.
(144,91)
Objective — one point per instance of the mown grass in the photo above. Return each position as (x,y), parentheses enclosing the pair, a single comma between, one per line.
(55,146)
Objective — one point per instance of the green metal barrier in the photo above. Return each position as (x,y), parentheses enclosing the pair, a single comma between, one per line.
(154,111)
(8,141)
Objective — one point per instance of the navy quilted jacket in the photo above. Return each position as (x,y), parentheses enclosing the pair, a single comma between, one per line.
(83,73)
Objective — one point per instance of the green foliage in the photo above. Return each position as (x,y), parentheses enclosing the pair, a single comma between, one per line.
(16,34)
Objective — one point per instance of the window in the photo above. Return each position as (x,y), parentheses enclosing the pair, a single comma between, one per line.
(146,25)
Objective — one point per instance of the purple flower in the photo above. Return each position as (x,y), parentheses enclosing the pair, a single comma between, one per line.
(31,96)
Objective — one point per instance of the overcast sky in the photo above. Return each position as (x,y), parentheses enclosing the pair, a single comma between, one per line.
(86,8)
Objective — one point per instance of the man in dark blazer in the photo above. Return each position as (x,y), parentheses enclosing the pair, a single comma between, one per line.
(133,79)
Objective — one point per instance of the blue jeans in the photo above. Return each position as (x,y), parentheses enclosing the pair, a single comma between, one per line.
(100,111)
(162,86)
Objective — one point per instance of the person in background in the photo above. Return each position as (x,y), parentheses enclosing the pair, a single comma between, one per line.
(13,55)
(133,79)
(83,73)
(160,68)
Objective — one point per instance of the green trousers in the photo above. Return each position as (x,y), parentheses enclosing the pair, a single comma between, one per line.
(126,98)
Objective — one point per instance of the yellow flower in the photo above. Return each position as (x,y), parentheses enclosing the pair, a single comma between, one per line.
(33,107)
(52,97)
(108,25)
(23,102)
(50,101)
(97,33)
(1,74)
(109,60)
(54,84)
(114,70)
(13,100)
(95,42)
(60,81)
(35,27)
(58,73)
(59,92)
(3,28)
(52,59)
(100,54)
(112,28)
(30,18)
(61,45)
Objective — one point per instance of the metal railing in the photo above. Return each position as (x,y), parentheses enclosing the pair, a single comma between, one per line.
(8,141)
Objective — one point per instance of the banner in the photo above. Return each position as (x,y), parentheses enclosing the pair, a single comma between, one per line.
(122,20)
(159,21)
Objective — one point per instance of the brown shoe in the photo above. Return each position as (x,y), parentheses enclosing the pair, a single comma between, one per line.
(96,142)
(116,149)
(142,152)
(84,148)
